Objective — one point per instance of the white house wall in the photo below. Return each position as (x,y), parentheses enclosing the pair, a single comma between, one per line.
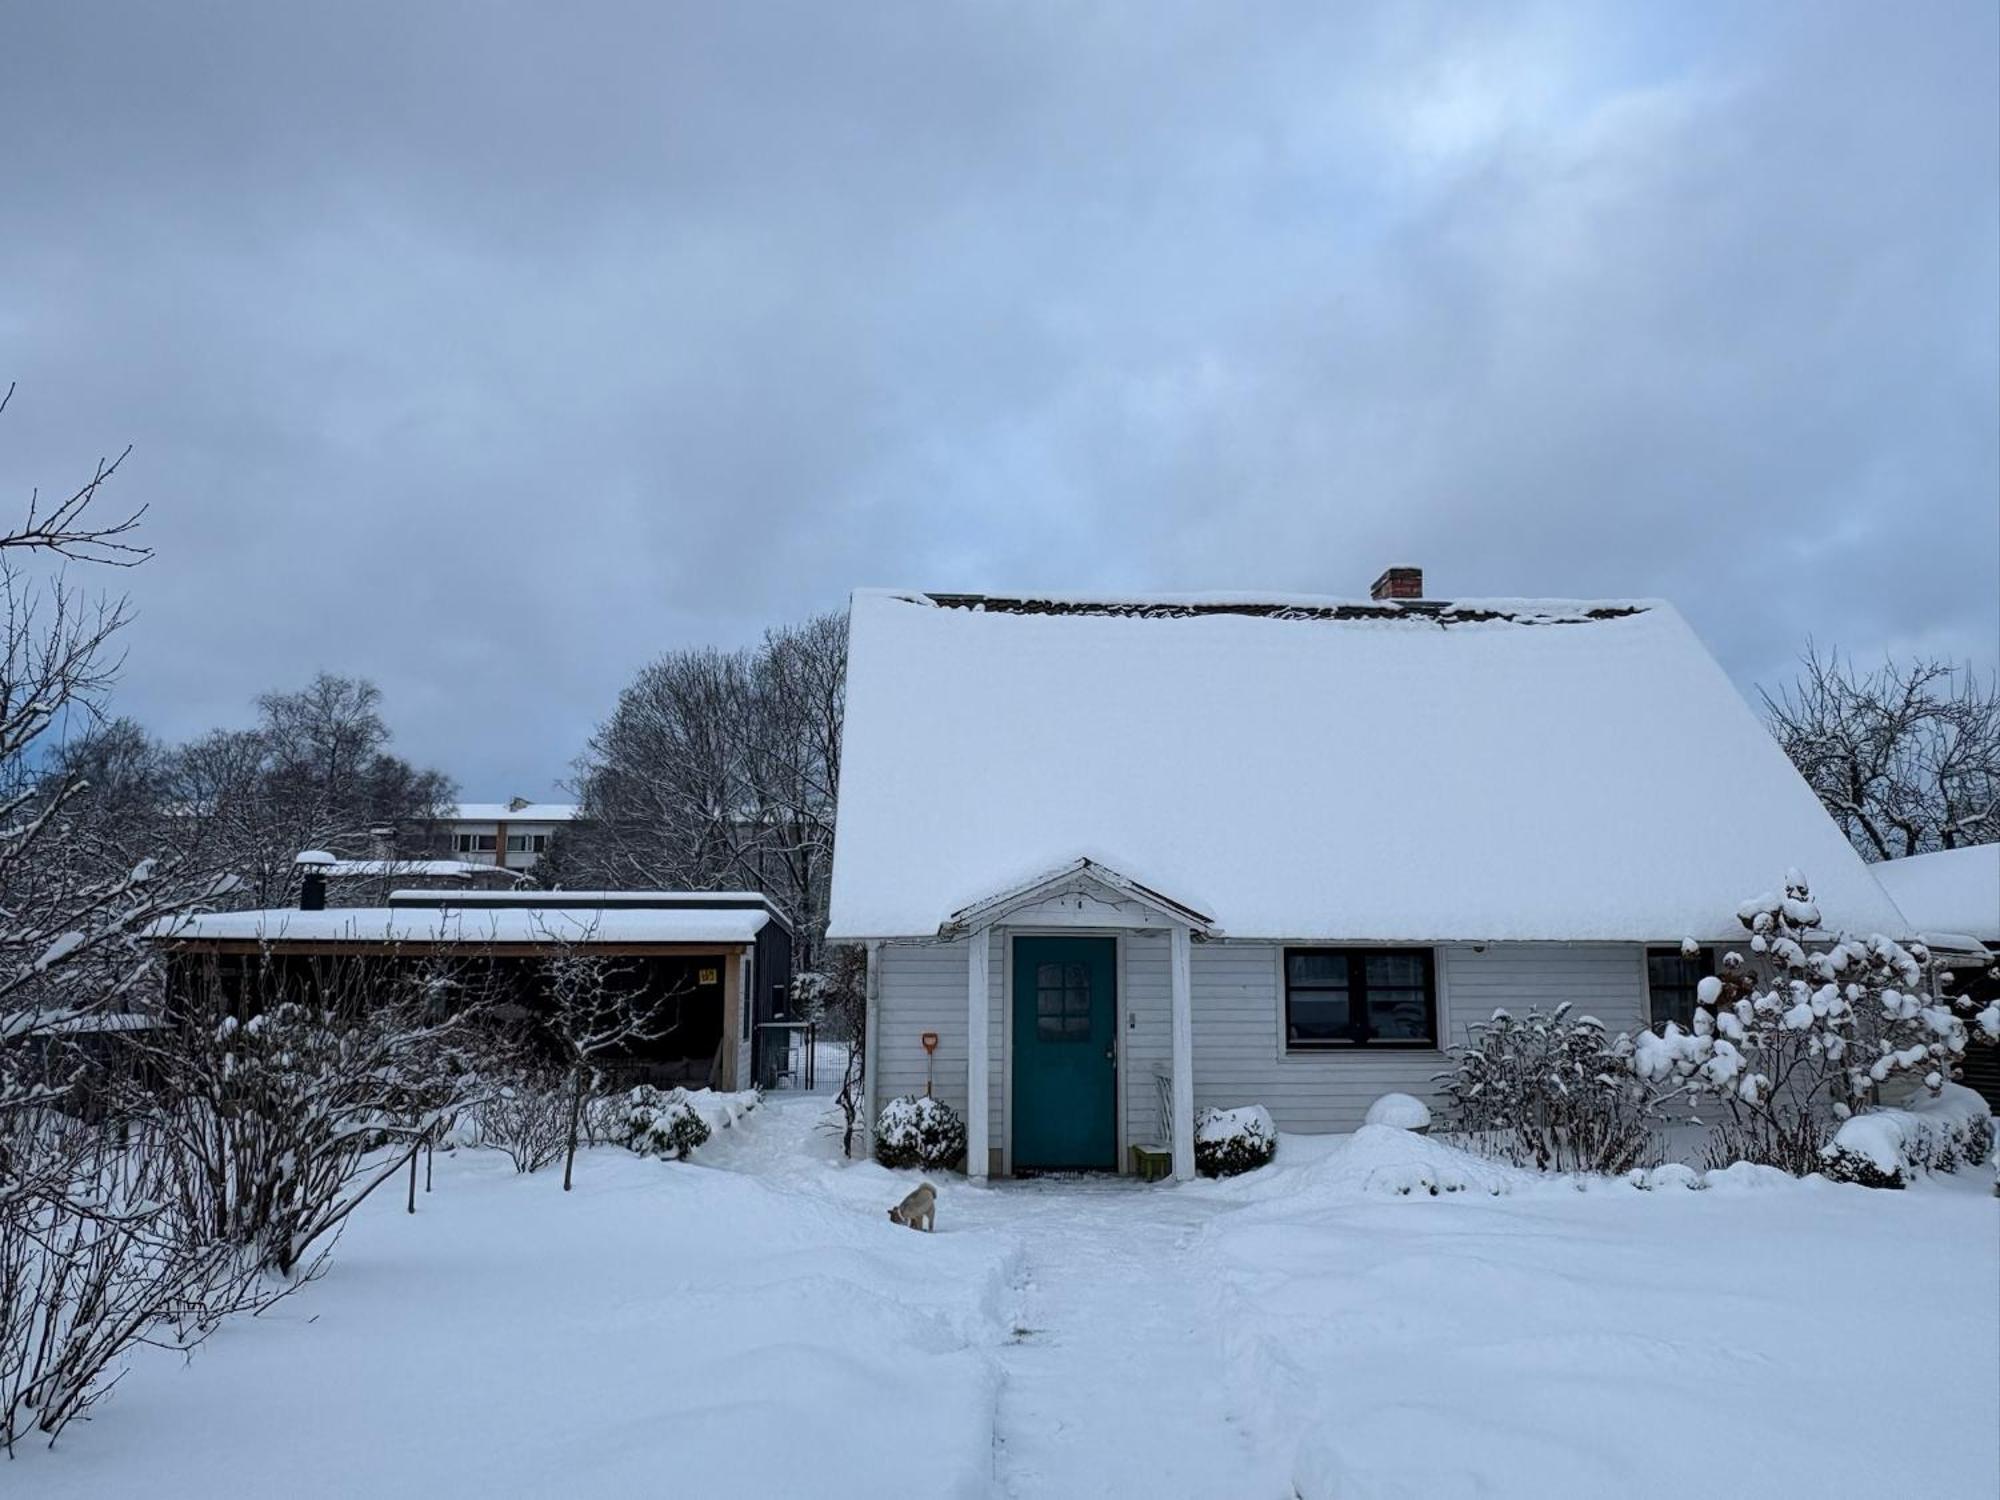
(1238,1021)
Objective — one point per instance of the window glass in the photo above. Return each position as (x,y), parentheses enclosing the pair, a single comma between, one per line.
(1672,980)
(1317,966)
(1319,1016)
(1062,1002)
(1349,997)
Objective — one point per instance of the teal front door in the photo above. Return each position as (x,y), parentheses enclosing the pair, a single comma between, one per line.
(1065,1097)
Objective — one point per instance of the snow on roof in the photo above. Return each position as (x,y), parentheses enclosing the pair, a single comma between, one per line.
(587,898)
(465,925)
(506,812)
(1319,768)
(1951,891)
(436,869)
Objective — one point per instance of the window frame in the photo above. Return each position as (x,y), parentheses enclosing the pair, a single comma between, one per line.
(1360,1038)
(1705,953)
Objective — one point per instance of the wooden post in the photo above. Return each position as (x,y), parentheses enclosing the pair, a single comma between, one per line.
(1183,1083)
(732,1018)
(976,1066)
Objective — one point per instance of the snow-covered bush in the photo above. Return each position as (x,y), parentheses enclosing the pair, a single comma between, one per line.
(1890,1148)
(1549,1092)
(920,1130)
(527,1116)
(1231,1141)
(1399,1112)
(661,1122)
(1798,1041)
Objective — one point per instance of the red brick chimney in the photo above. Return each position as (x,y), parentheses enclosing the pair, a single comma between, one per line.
(1399,583)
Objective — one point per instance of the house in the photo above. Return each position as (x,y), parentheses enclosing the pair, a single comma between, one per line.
(1952,898)
(359,882)
(721,960)
(513,834)
(1120,858)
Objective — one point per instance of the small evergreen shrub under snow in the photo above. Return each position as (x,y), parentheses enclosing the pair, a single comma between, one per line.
(1230,1141)
(920,1130)
(1890,1148)
(661,1122)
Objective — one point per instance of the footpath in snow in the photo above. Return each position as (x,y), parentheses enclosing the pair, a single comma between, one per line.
(750,1323)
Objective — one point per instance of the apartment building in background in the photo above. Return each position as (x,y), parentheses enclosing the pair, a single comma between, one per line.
(513,834)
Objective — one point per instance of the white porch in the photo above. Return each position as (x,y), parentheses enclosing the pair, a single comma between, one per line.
(1080,899)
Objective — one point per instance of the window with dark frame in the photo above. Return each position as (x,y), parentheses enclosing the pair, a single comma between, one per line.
(1340,998)
(1672,979)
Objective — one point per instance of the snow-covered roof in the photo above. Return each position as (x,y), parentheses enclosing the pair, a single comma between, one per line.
(476,926)
(1320,768)
(414,869)
(625,898)
(504,812)
(1951,891)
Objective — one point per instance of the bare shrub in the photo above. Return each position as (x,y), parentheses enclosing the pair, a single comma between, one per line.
(528,1117)
(1549,1092)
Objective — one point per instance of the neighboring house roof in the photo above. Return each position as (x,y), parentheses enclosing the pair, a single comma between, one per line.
(1951,891)
(509,812)
(1321,769)
(413,869)
(474,926)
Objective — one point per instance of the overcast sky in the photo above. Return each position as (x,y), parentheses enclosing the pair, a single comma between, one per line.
(489,350)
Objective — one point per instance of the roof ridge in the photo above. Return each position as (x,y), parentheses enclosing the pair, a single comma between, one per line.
(1291,607)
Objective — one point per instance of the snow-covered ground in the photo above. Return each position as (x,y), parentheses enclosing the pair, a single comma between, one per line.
(752,1324)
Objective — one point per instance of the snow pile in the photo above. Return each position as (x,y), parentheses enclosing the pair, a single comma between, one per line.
(1497,1341)
(1892,1147)
(1229,1142)
(718,1109)
(1671,1174)
(1378,1161)
(920,1130)
(1399,1112)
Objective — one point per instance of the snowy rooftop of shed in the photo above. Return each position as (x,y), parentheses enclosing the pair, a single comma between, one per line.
(475,926)
(1951,891)
(1314,768)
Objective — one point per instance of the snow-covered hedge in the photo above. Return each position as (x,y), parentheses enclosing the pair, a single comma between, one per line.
(1230,1141)
(920,1130)
(657,1122)
(1889,1148)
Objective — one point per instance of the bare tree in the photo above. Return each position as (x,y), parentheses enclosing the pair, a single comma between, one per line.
(836,996)
(91,1260)
(1906,757)
(314,773)
(721,769)
(597,1007)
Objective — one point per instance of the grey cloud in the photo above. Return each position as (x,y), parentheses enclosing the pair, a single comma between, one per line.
(489,350)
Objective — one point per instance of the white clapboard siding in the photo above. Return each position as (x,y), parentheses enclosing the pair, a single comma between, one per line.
(1238,1020)
(1238,1017)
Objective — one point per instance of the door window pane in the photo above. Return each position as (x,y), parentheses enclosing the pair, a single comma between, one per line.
(1062,1002)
